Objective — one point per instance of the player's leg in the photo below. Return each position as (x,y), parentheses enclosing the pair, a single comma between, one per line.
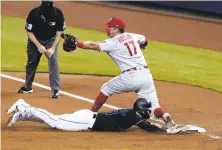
(100,100)
(33,61)
(126,82)
(34,114)
(103,94)
(119,84)
(148,91)
(54,71)
(24,112)
(54,74)
(80,120)
(157,110)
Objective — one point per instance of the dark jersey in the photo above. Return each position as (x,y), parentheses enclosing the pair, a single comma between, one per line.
(121,120)
(116,120)
(45,24)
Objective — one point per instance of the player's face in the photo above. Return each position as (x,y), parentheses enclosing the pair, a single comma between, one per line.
(111,32)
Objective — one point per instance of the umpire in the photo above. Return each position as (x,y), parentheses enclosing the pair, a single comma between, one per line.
(44,26)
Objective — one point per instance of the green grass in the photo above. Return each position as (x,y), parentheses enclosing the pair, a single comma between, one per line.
(168,62)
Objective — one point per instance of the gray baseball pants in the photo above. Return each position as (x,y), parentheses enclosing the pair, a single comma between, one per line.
(34,57)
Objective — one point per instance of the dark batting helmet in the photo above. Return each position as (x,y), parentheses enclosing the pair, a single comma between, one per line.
(142,107)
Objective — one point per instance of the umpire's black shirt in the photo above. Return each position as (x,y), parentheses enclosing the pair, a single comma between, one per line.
(44,23)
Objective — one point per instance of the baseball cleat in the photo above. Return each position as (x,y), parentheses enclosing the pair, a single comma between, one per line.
(55,94)
(168,120)
(20,105)
(14,118)
(24,90)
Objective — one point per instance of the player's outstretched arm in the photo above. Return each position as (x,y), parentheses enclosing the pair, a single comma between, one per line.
(88,45)
(71,43)
(147,126)
(153,128)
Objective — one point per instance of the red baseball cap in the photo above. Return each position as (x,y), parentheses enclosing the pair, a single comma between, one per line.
(116,22)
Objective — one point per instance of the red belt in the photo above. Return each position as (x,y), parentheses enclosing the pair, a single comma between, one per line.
(135,68)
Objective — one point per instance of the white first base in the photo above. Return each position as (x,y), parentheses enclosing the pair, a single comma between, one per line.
(186,128)
(191,128)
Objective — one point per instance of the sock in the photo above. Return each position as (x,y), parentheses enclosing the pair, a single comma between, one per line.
(160,113)
(100,100)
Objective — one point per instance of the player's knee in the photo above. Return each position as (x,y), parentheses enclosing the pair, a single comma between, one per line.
(105,91)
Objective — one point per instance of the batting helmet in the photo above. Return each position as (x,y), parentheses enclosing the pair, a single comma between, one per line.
(141,106)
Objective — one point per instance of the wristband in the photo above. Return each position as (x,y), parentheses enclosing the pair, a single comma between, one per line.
(80,44)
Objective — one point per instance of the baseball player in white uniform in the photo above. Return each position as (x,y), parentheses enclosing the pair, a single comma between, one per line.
(125,49)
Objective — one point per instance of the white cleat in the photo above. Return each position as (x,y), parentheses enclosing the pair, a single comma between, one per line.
(168,120)
(20,105)
(14,118)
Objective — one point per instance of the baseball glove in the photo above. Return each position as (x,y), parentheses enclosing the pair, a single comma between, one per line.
(70,42)
(143,46)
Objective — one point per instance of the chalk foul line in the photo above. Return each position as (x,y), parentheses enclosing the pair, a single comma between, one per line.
(83,98)
(60,91)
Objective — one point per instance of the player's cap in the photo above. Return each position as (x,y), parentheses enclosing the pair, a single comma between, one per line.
(116,22)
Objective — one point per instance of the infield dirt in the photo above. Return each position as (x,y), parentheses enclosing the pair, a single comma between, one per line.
(187,104)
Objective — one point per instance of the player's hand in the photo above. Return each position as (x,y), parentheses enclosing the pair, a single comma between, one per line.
(50,52)
(41,49)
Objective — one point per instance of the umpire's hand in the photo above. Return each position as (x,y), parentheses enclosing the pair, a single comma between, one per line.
(41,49)
(50,52)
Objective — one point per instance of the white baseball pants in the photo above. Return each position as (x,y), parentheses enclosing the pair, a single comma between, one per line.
(80,120)
(139,81)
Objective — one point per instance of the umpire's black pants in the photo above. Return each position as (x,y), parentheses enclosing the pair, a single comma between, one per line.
(34,57)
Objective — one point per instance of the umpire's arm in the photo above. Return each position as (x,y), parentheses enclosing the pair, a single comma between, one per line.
(61,26)
(57,40)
